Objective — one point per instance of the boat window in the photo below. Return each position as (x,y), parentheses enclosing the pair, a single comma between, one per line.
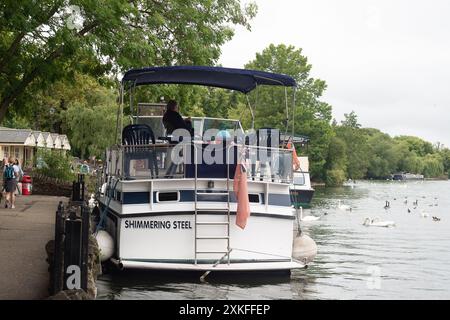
(223,125)
(197,125)
(155,123)
(254,197)
(168,196)
(300,179)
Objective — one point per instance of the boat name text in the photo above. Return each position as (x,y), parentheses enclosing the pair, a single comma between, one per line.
(156,224)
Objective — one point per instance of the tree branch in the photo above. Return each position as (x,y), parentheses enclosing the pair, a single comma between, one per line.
(16,42)
(28,78)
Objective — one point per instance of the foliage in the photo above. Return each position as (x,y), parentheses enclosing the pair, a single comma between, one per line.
(55,164)
(60,61)
(335,177)
(357,148)
(312,116)
(82,120)
(433,166)
(416,145)
(45,41)
(370,153)
(337,154)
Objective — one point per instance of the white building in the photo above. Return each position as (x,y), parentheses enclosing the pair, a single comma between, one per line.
(22,143)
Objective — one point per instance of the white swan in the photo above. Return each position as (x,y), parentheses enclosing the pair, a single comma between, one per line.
(344,207)
(376,223)
(307,218)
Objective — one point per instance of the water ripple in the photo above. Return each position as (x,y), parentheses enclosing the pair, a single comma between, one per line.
(409,261)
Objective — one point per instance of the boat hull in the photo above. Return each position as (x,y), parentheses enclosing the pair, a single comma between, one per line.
(232,267)
(301,197)
(166,241)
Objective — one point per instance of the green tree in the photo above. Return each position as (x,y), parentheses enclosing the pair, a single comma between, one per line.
(433,166)
(335,177)
(55,164)
(337,154)
(312,116)
(43,41)
(384,157)
(357,148)
(350,120)
(445,154)
(82,119)
(418,146)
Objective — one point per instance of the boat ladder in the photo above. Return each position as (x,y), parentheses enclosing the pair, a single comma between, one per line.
(198,223)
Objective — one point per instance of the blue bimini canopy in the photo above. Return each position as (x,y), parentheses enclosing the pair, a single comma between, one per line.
(235,79)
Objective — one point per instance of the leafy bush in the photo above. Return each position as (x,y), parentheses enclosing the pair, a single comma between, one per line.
(335,177)
(54,164)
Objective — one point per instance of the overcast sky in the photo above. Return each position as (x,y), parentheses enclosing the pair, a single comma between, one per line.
(388,60)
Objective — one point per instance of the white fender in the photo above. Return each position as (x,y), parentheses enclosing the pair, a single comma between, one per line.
(106,245)
(304,249)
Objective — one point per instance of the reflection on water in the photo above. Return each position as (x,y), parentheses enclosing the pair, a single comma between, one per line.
(409,261)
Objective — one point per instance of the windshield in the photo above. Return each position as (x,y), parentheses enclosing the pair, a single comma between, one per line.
(225,127)
(155,123)
(220,124)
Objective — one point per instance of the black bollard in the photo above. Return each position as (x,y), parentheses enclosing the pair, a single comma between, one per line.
(58,251)
(72,252)
(85,217)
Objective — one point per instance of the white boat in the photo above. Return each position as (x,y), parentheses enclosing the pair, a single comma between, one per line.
(163,214)
(301,190)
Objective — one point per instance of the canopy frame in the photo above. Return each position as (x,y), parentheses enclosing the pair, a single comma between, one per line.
(242,80)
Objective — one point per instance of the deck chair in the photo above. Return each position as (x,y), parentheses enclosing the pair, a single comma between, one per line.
(138,141)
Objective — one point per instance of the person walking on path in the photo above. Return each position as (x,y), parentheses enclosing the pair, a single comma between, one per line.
(10,174)
(3,194)
(18,168)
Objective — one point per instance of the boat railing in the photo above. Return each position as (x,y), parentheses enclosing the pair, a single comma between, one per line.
(213,161)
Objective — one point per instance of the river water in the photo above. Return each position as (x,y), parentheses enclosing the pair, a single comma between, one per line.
(408,261)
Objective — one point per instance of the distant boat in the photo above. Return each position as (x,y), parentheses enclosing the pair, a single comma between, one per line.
(407,176)
(301,190)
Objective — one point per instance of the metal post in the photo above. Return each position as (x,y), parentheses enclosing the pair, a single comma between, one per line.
(57,252)
(195,204)
(75,191)
(251,112)
(85,216)
(227,149)
(82,183)
(293,113)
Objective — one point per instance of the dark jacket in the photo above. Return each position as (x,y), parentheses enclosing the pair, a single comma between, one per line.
(172,120)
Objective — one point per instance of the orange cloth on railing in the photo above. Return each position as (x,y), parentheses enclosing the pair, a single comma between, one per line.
(241,191)
(295,161)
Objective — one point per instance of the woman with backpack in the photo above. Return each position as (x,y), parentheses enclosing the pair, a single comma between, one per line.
(10,174)
(18,168)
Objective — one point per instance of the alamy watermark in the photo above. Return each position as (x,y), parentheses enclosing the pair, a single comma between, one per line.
(73,281)
(230,146)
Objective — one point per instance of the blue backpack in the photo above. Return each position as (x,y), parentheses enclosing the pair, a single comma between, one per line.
(9,172)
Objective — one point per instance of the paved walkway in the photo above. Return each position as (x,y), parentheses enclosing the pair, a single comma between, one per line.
(24,232)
